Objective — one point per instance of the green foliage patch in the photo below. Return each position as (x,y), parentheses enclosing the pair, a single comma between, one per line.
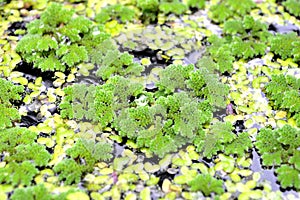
(223,10)
(8,94)
(279,148)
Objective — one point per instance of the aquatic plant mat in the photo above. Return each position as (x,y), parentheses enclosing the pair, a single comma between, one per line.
(149,99)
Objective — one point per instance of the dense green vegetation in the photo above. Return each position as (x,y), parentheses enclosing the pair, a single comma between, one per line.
(132,99)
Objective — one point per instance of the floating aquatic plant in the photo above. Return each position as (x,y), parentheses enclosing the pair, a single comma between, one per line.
(8,94)
(293,6)
(279,148)
(223,10)
(22,157)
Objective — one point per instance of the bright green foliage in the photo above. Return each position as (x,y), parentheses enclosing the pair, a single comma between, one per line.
(288,176)
(295,159)
(90,152)
(224,10)
(174,77)
(240,145)
(58,41)
(118,63)
(78,102)
(221,138)
(285,45)
(247,49)
(204,84)
(38,192)
(206,184)
(22,156)
(8,115)
(8,93)
(114,96)
(220,52)
(284,92)
(245,39)
(278,146)
(174,6)
(293,6)
(32,193)
(33,152)
(196,4)
(18,173)
(13,137)
(115,12)
(149,9)
(84,154)
(215,140)
(69,171)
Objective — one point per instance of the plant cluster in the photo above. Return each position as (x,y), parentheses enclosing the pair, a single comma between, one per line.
(206,184)
(224,10)
(115,12)
(280,148)
(164,120)
(38,192)
(221,138)
(81,159)
(59,41)
(22,154)
(283,91)
(286,45)
(293,6)
(8,94)
(150,9)
(244,39)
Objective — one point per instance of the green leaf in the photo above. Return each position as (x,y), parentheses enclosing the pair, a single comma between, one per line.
(295,159)
(288,176)
(239,145)
(55,14)
(78,102)
(293,6)
(12,137)
(206,184)
(282,44)
(69,171)
(31,193)
(18,173)
(34,152)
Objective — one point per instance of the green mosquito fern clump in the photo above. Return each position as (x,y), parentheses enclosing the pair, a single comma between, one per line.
(280,148)
(21,156)
(247,39)
(81,159)
(8,94)
(206,184)
(58,40)
(161,121)
(223,10)
(150,9)
(39,192)
(284,92)
(220,138)
(293,6)
(115,12)
(286,45)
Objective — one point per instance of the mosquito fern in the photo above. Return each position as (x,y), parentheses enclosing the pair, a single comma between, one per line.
(223,10)
(59,40)
(115,12)
(285,45)
(293,6)
(206,184)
